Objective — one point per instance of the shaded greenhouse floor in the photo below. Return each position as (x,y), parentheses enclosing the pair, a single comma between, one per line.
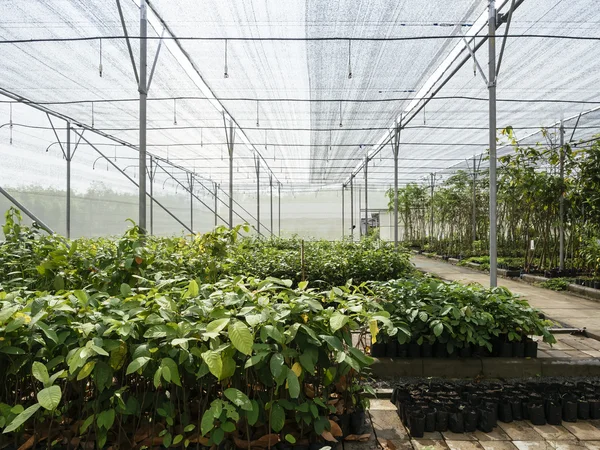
(390,434)
(567,309)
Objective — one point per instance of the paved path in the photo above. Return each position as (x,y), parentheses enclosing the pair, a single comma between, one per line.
(567,309)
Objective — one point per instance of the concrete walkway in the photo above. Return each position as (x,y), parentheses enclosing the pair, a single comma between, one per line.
(567,309)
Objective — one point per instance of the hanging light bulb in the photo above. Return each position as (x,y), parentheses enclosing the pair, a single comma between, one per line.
(100,65)
(349,59)
(225,73)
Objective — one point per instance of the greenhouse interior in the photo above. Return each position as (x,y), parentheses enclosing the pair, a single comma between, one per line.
(300,224)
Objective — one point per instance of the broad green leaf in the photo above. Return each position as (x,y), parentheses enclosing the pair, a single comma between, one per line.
(7,312)
(293,384)
(137,364)
(438,329)
(86,424)
(241,337)
(86,370)
(106,419)
(218,325)
(238,398)
(276,364)
(173,369)
(39,371)
(337,321)
(118,356)
(214,362)
(277,415)
(207,423)
(159,331)
(49,397)
(12,350)
(125,290)
(253,413)
(21,418)
(228,427)
(192,290)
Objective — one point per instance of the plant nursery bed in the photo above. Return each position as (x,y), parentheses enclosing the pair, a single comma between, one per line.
(459,407)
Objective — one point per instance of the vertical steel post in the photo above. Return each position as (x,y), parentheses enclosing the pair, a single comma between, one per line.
(191,178)
(396,150)
(231,187)
(279,208)
(271,188)
(151,176)
(431,218)
(360,233)
(257,163)
(343,211)
(143,97)
(68,157)
(352,207)
(216,203)
(492,111)
(366,196)
(562,198)
(474,224)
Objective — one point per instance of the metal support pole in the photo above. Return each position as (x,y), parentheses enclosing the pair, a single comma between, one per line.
(271,188)
(492,111)
(343,211)
(396,150)
(68,158)
(474,224)
(216,203)
(21,207)
(432,175)
(151,176)
(562,197)
(191,179)
(366,197)
(257,164)
(143,97)
(352,207)
(279,208)
(359,208)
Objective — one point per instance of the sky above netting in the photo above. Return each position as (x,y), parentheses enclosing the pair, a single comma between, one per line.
(309,106)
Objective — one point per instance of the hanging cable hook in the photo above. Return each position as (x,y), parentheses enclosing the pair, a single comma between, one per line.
(92,114)
(225,74)
(174,111)
(11,124)
(341,124)
(100,65)
(257,120)
(349,59)
(201,137)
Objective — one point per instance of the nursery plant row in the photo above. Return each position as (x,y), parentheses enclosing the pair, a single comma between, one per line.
(461,408)
(142,341)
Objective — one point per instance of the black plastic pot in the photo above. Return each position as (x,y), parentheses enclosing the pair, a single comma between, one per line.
(402,350)
(594,408)
(430,420)
(465,352)
(583,409)
(440,350)
(416,424)
(569,410)
(553,413)
(596,284)
(518,349)
(505,350)
(378,350)
(516,408)
(391,348)
(470,419)
(357,422)
(531,348)
(505,412)
(344,423)
(441,421)
(487,420)
(456,422)
(536,413)
(426,350)
(414,350)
